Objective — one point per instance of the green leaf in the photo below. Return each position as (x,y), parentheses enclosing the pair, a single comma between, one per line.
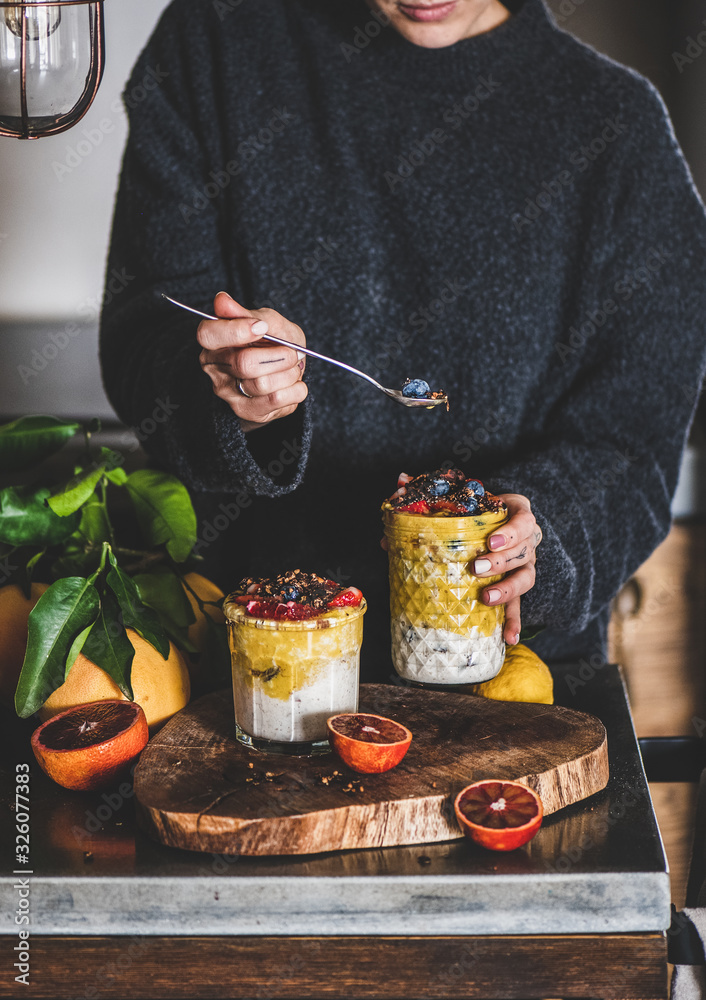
(25,518)
(531,632)
(30,440)
(32,562)
(135,614)
(76,559)
(64,610)
(108,646)
(164,511)
(76,647)
(117,476)
(94,526)
(164,592)
(76,492)
(112,459)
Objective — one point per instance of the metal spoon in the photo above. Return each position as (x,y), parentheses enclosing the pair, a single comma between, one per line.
(395,394)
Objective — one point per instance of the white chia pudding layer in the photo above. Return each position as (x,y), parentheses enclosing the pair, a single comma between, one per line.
(438,656)
(301,717)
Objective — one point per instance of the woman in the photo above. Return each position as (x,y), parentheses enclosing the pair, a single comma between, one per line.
(454,191)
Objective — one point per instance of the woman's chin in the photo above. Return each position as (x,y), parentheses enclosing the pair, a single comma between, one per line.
(438,24)
(429,36)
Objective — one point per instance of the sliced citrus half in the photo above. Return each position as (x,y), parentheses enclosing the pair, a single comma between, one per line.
(499,815)
(370,744)
(91,746)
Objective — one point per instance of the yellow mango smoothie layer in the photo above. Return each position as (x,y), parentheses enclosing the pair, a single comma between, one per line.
(441,631)
(290,676)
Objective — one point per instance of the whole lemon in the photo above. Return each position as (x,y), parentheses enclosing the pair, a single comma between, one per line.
(207,591)
(523,677)
(14,614)
(160,686)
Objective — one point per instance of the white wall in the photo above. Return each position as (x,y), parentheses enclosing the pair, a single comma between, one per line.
(54,218)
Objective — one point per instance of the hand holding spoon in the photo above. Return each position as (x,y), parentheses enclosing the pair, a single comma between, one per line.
(396,394)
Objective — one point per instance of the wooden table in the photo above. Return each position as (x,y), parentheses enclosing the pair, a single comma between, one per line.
(580,912)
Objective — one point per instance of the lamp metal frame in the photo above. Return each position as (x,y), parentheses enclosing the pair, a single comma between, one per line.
(93,80)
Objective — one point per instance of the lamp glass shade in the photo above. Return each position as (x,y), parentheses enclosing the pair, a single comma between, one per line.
(51,63)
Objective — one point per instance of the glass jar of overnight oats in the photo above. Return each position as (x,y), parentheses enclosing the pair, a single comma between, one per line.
(442,633)
(290,676)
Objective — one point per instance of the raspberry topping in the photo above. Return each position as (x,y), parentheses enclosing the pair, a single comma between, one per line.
(293,596)
(444,492)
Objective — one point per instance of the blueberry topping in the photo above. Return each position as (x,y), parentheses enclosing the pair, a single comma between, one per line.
(470,503)
(416,388)
(445,492)
(439,487)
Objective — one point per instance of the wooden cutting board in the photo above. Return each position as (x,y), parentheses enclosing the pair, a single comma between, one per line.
(194,787)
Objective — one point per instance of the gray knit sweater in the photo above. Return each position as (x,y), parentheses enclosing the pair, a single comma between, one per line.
(509,218)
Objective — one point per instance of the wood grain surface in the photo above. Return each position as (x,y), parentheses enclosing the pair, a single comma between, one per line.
(611,966)
(197,788)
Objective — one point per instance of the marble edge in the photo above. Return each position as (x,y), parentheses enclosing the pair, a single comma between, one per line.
(584,903)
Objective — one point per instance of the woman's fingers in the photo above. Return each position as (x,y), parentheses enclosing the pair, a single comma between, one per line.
(494,563)
(266,385)
(254,362)
(513,623)
(520,525)
(216,335)
(515,584)
(260,381)
(262,409)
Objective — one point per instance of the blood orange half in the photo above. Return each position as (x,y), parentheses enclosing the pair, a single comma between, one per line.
(91,746)
(499,815)
(370,744)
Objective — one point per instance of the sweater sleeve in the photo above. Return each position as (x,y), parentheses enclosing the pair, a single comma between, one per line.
(167,238)
(602,477)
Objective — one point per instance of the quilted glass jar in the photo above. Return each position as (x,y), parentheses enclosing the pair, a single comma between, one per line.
(442,633)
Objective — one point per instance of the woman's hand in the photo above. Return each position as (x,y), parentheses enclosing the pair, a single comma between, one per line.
(260,381)
(512,550)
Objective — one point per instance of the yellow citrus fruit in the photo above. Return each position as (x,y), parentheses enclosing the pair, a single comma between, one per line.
(160,686)
(523,677)
(207,591)
(14,613)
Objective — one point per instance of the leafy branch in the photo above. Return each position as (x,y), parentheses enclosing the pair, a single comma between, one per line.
(101,587)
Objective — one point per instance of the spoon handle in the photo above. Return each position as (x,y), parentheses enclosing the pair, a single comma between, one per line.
(285,343)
